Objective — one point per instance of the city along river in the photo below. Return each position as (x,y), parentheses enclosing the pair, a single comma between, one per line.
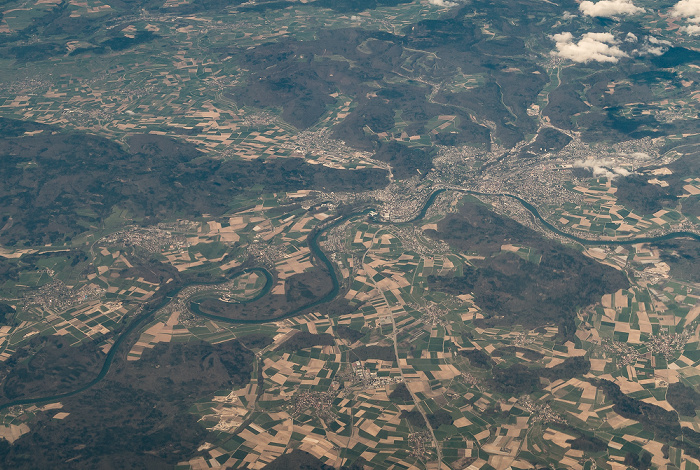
(152,307)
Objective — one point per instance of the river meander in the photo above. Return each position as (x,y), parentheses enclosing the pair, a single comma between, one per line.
(153,306)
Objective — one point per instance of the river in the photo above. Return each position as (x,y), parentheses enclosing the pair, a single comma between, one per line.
(314,246)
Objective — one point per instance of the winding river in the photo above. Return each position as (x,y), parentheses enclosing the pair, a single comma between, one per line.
(315,248)
(584,241)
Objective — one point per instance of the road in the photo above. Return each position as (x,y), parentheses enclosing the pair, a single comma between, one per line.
(396,353)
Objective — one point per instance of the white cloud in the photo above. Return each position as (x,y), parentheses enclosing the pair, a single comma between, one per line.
(687,9)
(630,38)
(690,10)
(609,8)
(599,47)
(602,37)
(651,46)
(638,156)
(653,50)
(442,3)
(654,40)
(602,167)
